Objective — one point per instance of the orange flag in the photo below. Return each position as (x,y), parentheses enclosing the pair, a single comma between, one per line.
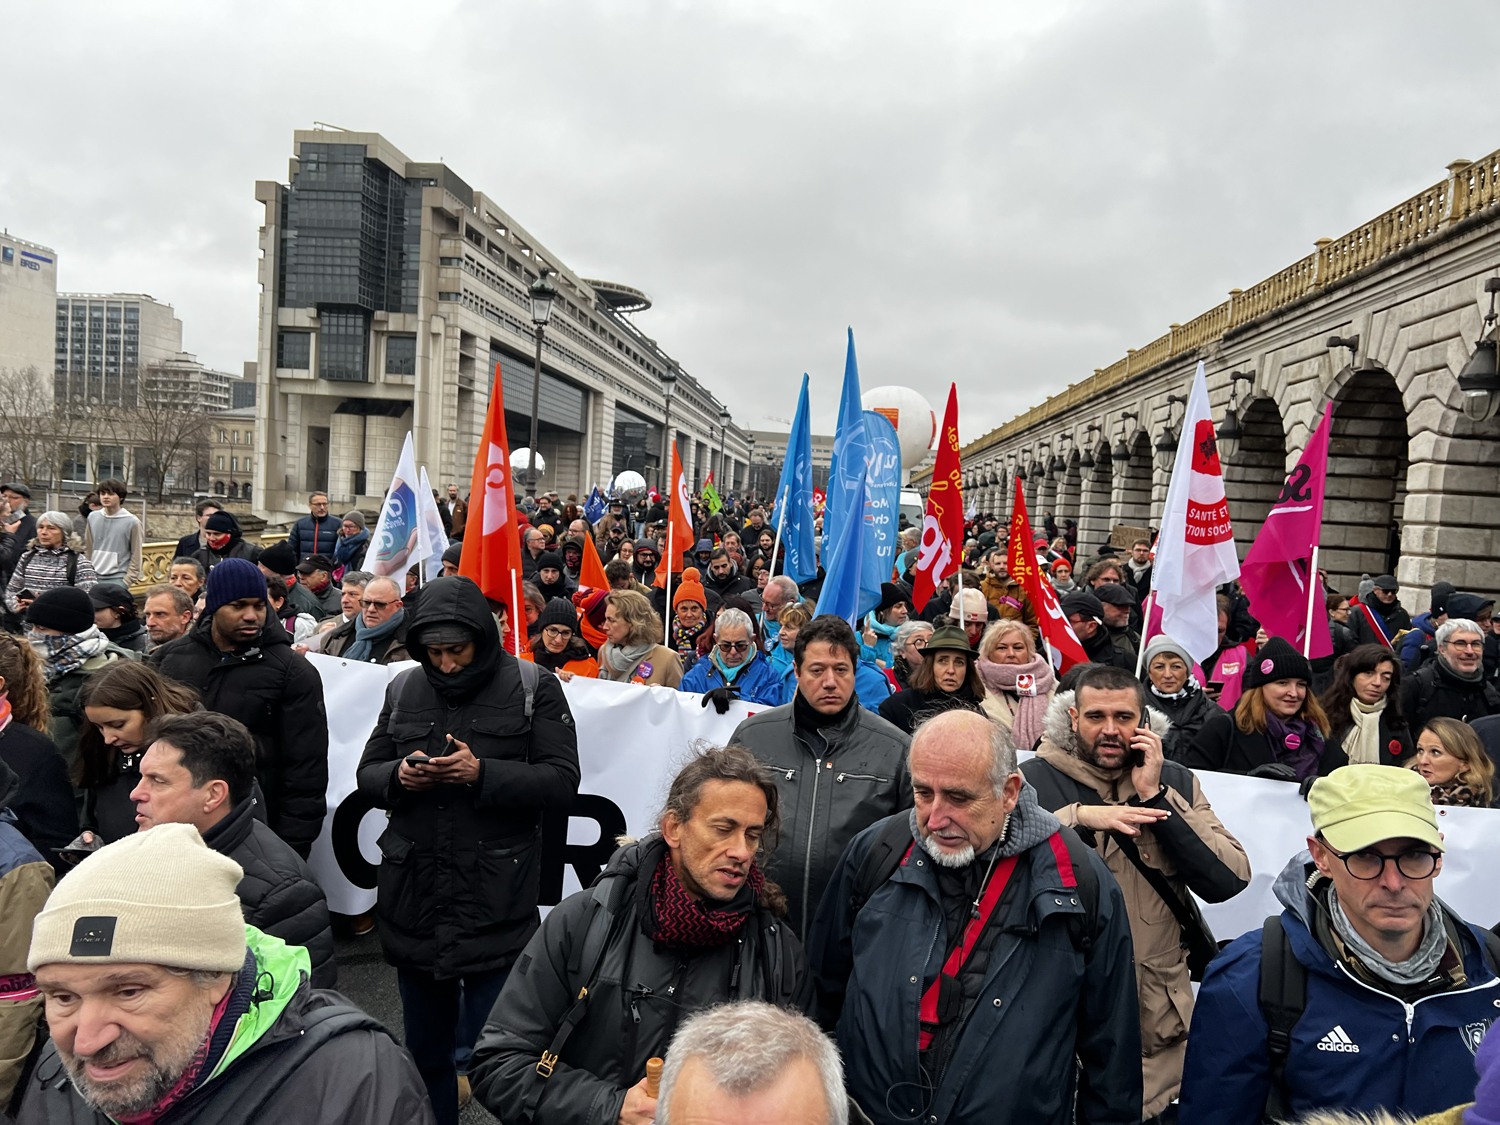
(680,518)
(591,571)
(492,543)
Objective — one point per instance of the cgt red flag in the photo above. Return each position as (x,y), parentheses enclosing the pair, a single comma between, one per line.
(492,542)
(941,549)
(1066,648)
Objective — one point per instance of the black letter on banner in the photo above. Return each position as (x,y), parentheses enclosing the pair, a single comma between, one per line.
(345,839)
(587,860)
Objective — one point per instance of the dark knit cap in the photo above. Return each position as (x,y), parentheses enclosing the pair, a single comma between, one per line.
(1085,605)
(64,608)
(892,595)
(549,559)
(279,559)
(1441,592)
(221,522)
(232,580)
(453,553)
(647,545)
(1466,606)
(557,611)
(1276,660)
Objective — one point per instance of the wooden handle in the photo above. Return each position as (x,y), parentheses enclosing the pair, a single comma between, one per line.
(653,1076)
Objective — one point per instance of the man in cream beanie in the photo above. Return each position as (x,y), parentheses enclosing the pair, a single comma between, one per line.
(164,1005)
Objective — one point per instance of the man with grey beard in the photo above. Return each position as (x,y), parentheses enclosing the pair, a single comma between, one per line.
(993,950)
(164,1006)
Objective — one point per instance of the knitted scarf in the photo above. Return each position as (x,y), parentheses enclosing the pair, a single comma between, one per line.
(684,641)
(1031,710)
(1452,792)
(1297,743)
(64,654)
(1364,747)
(366,637)
(676,918)
(618,663)
(349,546)
(1415,969)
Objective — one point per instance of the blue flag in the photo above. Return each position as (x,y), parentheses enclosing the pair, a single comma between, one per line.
(882,507)
(841,594)
(851,452)
(593,508)
(794,493)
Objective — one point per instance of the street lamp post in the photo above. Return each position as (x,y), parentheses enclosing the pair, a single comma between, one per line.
(542,294)
(668,383)
(724,418)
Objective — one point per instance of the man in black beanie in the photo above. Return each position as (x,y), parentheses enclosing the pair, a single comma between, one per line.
(240,660)
(451,559)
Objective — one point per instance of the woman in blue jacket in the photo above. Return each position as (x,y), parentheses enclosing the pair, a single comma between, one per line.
(882,622)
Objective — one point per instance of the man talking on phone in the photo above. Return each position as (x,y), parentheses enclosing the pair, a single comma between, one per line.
(471,748)
(1100,769)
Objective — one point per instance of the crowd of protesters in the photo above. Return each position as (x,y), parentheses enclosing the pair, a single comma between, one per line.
(864,906)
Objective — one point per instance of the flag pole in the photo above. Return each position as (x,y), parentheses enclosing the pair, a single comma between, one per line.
(780,523)
(516,611)
(1140,656)
(1312,592)
(666,629)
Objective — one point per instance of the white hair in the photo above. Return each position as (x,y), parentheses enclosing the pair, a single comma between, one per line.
(746,1047)
(1453,625)
(64,523)
(905,632)
(787,587)
(734,616)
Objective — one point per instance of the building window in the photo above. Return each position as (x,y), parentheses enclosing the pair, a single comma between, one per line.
(75,463)
(223,438)
(218,484)
(112,462)
(249,437)
(294,350)
(401,355)
(341,347)
(236,437)
(234,464)
(219,462)
(248,466)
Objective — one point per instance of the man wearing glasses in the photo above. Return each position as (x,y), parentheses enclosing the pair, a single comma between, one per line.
(377,633)
(735,667)
(1367,992)
(779,593)
(1453,685)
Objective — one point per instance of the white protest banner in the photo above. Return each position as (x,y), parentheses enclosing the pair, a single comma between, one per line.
(633,739)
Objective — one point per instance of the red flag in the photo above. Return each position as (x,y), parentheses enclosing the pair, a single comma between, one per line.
(1277,575)
(679,516)
(492,544)
(1066,648)
(591,570)
(942,544)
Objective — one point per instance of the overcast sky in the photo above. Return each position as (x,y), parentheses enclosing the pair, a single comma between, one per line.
(1005,195)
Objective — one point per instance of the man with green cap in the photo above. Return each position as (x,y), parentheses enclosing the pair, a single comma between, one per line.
(1367,992)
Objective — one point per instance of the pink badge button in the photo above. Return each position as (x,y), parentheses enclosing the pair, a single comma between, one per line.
(1293,741)
(1266,666)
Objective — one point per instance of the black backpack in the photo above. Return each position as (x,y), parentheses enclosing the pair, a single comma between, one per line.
(895,840)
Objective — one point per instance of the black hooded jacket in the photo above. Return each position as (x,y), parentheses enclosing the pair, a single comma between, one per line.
(278,893)
(279,697)
(460,867)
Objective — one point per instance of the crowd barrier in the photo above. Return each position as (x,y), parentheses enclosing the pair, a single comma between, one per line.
(632,740)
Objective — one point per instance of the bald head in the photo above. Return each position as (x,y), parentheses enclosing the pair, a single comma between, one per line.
(965,780)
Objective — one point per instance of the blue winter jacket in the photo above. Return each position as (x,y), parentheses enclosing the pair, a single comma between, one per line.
(315,537)
(1355,1048)
(881,649)
(757,683)
(870,685)
(1422,632)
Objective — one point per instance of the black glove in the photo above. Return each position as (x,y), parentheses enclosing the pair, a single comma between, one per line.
(1307,783)
(720,697)
(1274,771)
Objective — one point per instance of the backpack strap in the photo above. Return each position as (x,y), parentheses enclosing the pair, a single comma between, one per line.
(583,964)
(529,678)
(72,567)
(1081,931)
(1283,998)
(890,849)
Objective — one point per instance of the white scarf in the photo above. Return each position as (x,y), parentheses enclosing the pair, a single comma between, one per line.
(1363,745)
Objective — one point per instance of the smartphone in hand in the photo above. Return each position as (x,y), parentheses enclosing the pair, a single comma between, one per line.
(1137,755)
(417,759)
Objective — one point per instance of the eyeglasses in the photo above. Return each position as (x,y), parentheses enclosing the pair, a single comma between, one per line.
(557,633)
(729,648)
(1368,864)
(1475,645)
(368,603)
(918,642)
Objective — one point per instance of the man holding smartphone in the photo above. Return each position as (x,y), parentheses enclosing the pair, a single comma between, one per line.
(1099,768)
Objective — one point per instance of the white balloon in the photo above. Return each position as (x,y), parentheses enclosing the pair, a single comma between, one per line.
(628,480)
(518,459)
(911,415)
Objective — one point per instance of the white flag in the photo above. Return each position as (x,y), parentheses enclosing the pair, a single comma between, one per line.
(1195,551)
(434,539)
(397,542)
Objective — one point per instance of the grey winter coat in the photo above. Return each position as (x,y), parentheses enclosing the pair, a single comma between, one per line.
(832,785)
(639,994)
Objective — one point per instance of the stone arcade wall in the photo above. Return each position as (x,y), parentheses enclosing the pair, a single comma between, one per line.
(1412,482)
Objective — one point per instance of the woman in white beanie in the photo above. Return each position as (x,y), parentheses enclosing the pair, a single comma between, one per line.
(1172,689)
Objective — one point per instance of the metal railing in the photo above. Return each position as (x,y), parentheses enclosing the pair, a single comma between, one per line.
(156,559)
(1470,189)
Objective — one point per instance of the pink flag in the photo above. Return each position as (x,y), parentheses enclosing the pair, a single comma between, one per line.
(1195,552)
(1277,572)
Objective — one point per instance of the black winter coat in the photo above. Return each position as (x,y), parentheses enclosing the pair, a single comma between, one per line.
(1433,690)
(278,695)
(1222,747)
(1397,744)
(279,895)
(1101,649)
(46,812)
(636,999)
(461,865)
(1395,617)
(1187,717)
(906,709)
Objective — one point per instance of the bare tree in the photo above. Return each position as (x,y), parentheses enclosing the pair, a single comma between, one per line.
(35,438)
(163,426)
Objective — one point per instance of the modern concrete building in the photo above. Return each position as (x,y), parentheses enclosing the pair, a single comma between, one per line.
(1379,323)
(103,342)
(769,452)
(392,291)
(28,293)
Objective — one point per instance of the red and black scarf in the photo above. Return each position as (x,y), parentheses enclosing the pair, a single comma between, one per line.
(675,917)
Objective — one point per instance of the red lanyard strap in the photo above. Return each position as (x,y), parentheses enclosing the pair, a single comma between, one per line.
(955,962)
